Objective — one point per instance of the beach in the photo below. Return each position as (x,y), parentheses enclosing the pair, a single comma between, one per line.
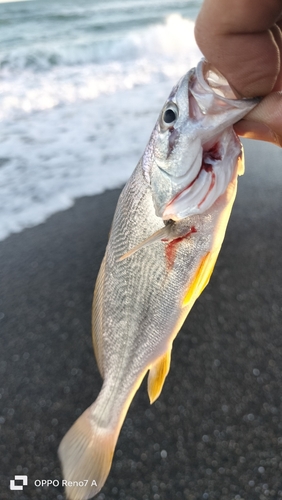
(81,86)
(215,432)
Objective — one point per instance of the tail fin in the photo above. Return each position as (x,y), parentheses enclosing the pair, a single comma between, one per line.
(87,449)
(86,453)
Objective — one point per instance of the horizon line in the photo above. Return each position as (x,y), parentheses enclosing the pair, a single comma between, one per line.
(10,1)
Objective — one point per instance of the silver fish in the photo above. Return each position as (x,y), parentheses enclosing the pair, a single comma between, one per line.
(167,231)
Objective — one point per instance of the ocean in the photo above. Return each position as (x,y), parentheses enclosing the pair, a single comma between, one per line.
(81,86)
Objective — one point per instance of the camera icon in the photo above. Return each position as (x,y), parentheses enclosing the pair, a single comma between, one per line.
(22,479)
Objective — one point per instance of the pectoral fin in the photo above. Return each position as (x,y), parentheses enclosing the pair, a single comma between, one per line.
(241,163)
(201,278)
(158,235)
(157,376)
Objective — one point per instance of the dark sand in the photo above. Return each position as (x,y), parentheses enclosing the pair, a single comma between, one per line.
(216,430)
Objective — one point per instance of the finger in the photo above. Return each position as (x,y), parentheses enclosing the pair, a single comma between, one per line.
(277,33)
(264,122)
(258,131)
(240,39)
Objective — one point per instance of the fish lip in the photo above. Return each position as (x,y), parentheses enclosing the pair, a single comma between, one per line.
(202,68)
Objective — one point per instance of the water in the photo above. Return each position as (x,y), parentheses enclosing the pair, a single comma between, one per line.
(81,85)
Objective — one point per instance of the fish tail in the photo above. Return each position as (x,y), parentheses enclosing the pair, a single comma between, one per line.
(86,453)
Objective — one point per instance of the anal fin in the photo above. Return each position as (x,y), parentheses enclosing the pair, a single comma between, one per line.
(157,376)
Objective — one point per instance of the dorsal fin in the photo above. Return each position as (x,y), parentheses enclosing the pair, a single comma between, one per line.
(97,318)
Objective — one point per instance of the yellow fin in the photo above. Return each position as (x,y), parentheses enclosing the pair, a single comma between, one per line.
(157,375)
(241,163)
(201,278)
(206,266)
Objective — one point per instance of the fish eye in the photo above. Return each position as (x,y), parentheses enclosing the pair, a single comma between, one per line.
(170,114)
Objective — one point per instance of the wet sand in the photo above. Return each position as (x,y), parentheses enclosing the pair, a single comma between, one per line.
(216,430)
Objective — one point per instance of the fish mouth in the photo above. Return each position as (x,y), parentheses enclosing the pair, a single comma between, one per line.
(201,160)
(219,153)
(218,161)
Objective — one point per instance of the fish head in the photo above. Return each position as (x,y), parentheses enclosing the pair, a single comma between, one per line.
(193,150)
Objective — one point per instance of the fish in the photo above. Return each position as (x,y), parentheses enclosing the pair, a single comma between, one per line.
(166,235)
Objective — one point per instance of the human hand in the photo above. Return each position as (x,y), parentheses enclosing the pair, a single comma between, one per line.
(243,40)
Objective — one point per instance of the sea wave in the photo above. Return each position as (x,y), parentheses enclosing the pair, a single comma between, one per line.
(59,141)
(174,38)
(156,54)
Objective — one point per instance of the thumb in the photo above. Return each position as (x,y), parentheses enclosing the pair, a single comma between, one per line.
(264,122)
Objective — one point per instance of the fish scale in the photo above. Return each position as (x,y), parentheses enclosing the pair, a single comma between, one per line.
(155,267)
(150,314)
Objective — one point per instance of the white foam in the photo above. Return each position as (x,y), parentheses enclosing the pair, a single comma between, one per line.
(75,131)
(33,81)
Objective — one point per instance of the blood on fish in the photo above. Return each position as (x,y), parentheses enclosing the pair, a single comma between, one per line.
(171,247)
(207,167)
(211,154)
(210,188)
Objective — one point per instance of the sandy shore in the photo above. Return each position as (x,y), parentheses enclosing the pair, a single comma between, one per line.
(216,431)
